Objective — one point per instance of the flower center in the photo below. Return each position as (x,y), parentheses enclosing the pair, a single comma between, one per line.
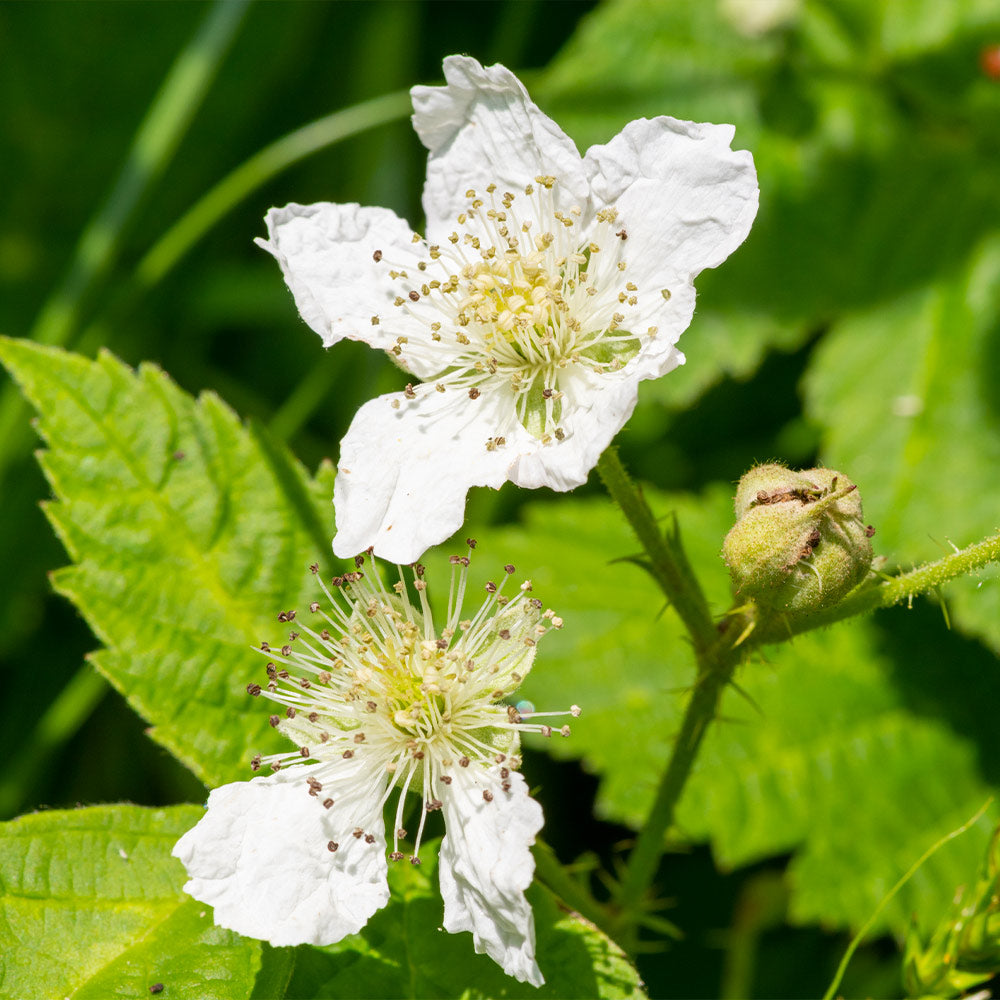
(380,689)
(522,297)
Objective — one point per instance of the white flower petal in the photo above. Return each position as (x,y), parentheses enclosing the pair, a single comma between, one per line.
(485,865)
(596,408)
(404,473)
(686,199)
(483,128)
(327,255)
(259,856)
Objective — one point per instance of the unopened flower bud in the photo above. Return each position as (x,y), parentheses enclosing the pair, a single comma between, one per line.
(800,542)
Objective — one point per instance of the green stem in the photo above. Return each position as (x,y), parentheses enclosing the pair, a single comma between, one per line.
(899,588)
(154,144)
(259,169)
(57,726)
(716,657)
(869,923)
(666,555)
(554,875)
(643,861)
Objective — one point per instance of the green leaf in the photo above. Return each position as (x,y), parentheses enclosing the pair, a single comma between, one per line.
(188,534)
(92,907)
(616,656)
(404,952)
(910,402)
(831,762)
(858,117)
(691,64)
(839,747)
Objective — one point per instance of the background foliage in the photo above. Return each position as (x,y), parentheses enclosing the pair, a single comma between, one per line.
(859,326)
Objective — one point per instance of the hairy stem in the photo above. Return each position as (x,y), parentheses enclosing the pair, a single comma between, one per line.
(719,650)
(640,869)
(716,656)
(894,590)
(666,556)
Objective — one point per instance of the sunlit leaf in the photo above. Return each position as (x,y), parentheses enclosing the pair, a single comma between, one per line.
(188,534)
(910,399)
(92,907)
(404,952)
(829,751)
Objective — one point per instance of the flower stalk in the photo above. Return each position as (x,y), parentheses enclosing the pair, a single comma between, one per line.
(719,649)
(667,561)
(716,655)
(891,591)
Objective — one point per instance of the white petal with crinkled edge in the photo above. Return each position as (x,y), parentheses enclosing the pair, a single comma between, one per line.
(259,856)
(404,473)
(595,408)
(686,198)
(485,864)
(326,253)
(483,128)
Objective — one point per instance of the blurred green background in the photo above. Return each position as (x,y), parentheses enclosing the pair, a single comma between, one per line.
(872,269)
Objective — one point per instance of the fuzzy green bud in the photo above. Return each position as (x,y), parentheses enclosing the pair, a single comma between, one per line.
(800,542)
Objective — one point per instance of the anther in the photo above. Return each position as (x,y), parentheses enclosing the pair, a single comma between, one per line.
(487,795)
(358,833)
(377,256)
(274,720)
(369,838)
(463,762)
(347,754)
(253,690)
(327,803)
(332,845)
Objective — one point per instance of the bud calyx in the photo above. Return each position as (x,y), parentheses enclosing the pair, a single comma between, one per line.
(799,543)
